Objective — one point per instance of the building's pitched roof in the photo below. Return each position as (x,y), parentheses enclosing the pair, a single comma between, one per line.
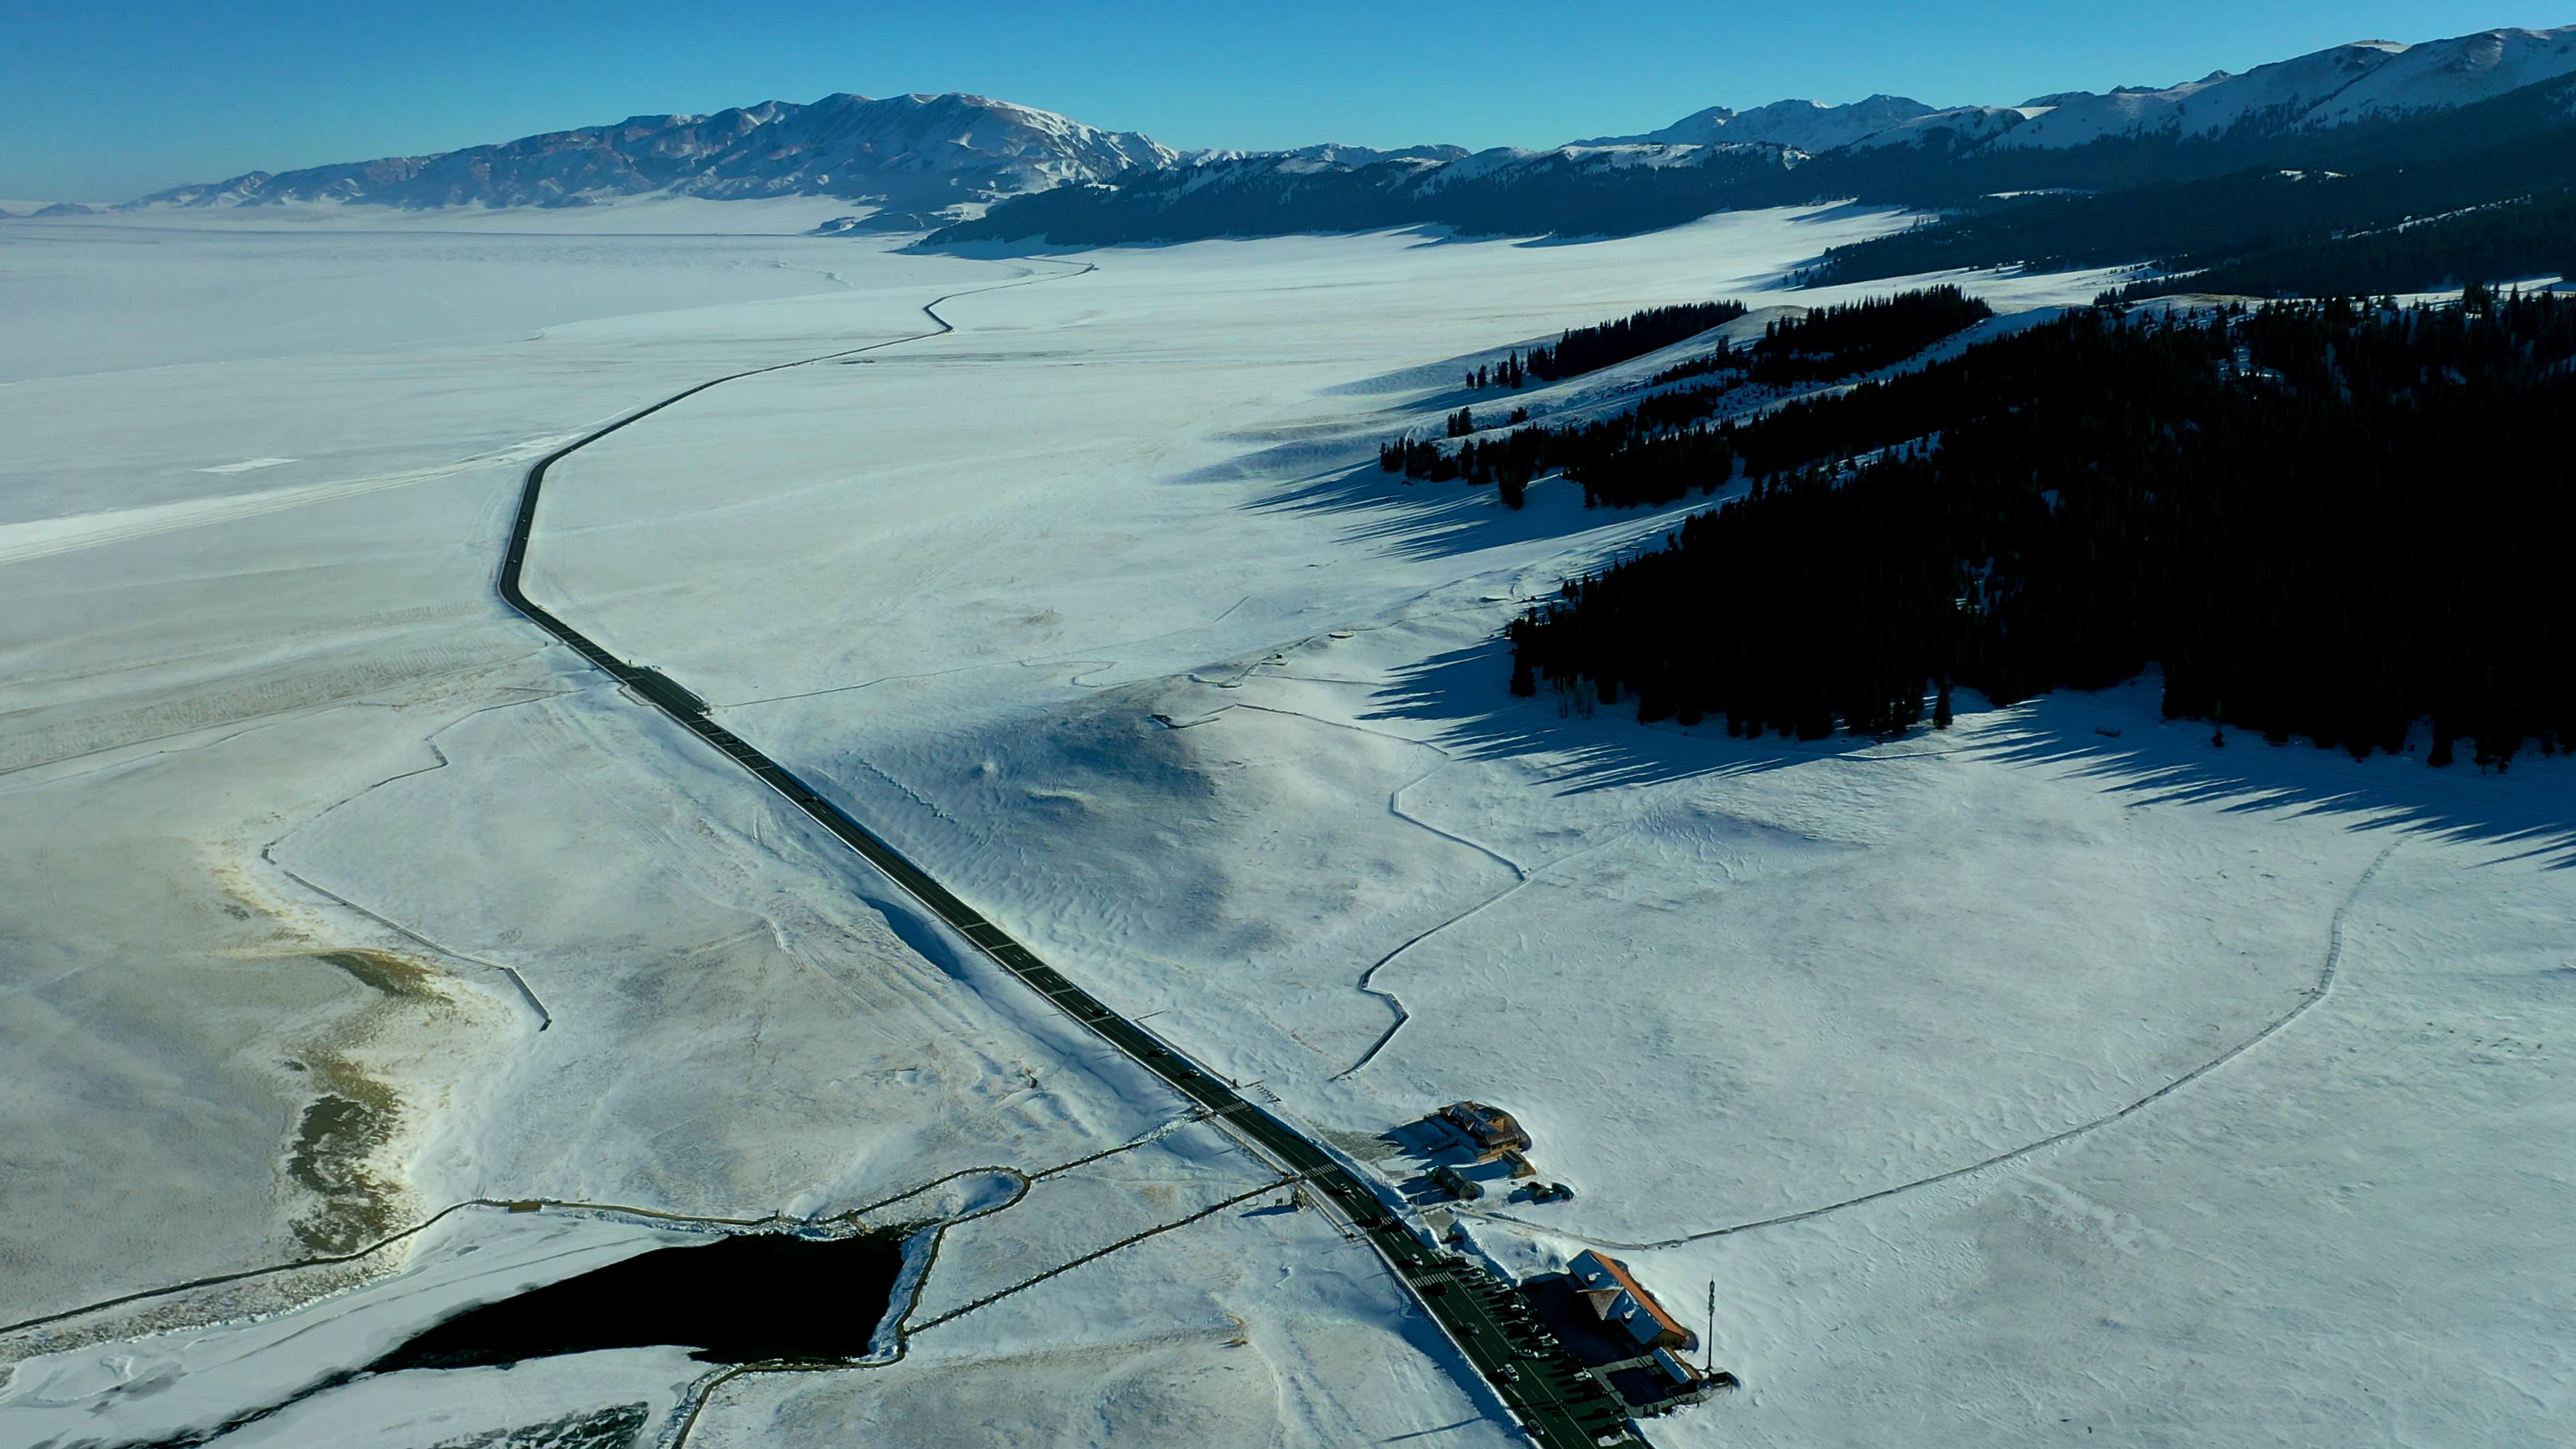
(1488,1125)
(1603,1277)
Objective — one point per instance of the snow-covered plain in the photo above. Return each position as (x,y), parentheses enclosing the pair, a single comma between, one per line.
(1099,607)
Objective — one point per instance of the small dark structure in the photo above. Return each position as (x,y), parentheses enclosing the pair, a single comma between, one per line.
(1457,1184)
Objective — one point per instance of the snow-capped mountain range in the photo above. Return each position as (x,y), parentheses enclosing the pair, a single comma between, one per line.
(2363,80)
(2369,103)
(920,152)
(2368,78)
(914,150)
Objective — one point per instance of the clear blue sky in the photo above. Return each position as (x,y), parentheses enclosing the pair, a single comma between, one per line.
(105,99)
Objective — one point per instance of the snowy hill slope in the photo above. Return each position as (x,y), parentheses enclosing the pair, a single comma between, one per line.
(1805,125)
(1570,190)
(910,149)
(2454,73)
(1957,130)
(2366,79)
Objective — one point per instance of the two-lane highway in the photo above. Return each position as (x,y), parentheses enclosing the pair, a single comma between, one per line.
(1542,1386)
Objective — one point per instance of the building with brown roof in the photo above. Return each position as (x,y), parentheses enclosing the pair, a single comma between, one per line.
(1623,1304)
(1493,1130)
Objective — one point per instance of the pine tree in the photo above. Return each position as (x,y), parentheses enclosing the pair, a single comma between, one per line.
(1941,707)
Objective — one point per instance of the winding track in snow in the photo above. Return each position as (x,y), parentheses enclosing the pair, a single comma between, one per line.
(2326,977)
(1533,1379)
(1022,1176)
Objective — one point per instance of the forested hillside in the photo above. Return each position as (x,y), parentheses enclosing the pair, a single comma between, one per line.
(2123,197)
(1658,451)
(1579,350)
(2531,236)
(1585,349)
(2319,519)
(2331,226)
(1567,194)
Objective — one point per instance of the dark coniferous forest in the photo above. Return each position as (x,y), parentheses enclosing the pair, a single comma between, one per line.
(2322,519)
(2411,224)
(1862,336)
(1659,451)
(1588,349)
(2528,236)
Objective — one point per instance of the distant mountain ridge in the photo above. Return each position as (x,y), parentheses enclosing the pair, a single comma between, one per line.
(1886,149)
(912,151)
(1046,174)
(1574,190)
(2366,79)
(1809,126)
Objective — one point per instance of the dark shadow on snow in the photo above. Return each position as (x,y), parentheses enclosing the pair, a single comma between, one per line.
(2526,813)
(1426,520)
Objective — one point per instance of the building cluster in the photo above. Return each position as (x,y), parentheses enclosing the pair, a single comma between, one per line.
(1626,1340)
(1494,1131)
(1657,1379)
(1495,1136)
(1621,1303)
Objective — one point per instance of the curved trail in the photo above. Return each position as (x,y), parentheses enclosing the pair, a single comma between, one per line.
(1534,1380)
(1025,1177)
(2308,1000)
(694,1400)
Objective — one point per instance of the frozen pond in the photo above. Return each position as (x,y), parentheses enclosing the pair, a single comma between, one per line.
(750,1298)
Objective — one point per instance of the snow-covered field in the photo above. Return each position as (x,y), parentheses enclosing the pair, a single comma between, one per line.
(2062,1072)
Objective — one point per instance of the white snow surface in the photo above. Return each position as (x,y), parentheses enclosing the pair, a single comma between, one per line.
(1960,127)
(2062,1071)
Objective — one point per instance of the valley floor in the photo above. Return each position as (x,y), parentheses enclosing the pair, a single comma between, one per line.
(2058,1072)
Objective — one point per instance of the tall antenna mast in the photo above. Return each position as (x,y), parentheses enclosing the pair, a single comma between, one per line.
(1708,1345)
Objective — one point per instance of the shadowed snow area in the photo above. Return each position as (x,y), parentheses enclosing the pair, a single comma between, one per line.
(2059,1071)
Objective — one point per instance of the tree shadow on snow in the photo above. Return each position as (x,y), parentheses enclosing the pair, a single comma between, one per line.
(1450,375)
(1464,692)
(2528,811)
(1426,520)
(2114,738)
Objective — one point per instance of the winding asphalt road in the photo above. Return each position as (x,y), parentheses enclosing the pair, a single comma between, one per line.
(1534,1377)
